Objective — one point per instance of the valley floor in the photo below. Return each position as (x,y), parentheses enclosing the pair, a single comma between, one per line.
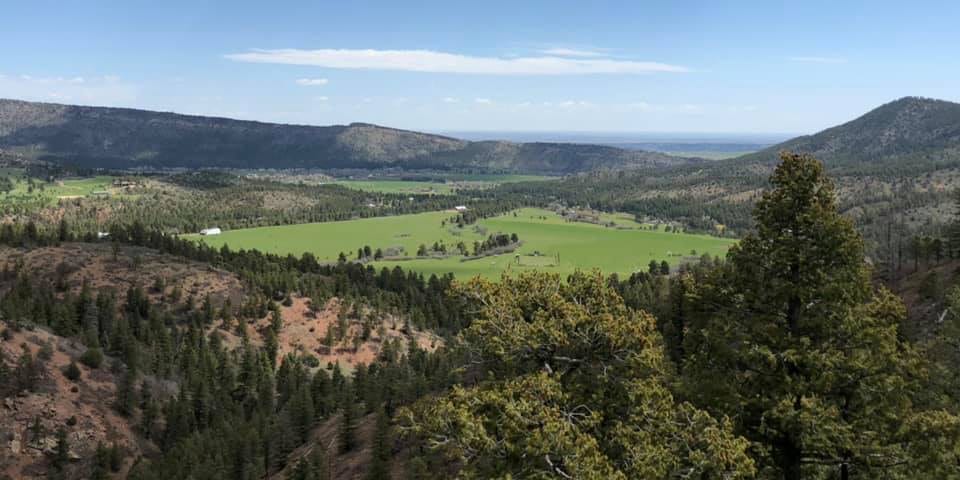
(548,242)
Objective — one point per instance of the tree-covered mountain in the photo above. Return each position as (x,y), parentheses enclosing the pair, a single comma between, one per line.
(897,168)
(902,130)
(121,138)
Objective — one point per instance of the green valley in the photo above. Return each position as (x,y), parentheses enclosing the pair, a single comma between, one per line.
(548,242)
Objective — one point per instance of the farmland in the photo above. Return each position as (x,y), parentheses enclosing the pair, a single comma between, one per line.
(549,242)
(25,189)
(441,186)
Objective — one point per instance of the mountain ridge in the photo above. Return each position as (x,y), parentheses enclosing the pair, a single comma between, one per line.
(904,128)
(113,137)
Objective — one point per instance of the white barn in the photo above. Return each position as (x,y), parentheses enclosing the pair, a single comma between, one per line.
(210,231)
(460,208)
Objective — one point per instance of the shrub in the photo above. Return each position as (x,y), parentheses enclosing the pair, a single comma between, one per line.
(311,361)
(46,352)
(72,372)
(92,358)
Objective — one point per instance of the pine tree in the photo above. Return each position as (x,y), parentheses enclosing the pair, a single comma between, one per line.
(792,340)
(125,402)
(271,346)
(346,434)
(62,453)
(577,388)
(953,230)
(379,464)
(101,463)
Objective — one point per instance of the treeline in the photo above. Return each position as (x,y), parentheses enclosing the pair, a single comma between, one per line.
(270,277)
(189,202)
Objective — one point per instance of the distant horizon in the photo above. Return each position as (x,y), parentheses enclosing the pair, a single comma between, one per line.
(611,66)
(624,136)
(469,134)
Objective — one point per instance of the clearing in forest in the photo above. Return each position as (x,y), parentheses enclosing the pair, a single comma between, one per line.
(548,242)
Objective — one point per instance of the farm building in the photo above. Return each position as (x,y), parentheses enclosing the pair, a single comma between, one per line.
(210,231)
(460,208)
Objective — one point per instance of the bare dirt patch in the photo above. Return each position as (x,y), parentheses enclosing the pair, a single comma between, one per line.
(95,263)
(305,326)
(82,408)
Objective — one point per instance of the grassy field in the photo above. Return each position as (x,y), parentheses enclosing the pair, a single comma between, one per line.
(397,186)
(52,192)
(447,186)
(549,242)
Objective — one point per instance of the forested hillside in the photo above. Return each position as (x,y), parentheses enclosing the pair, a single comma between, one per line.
(126,138)
(896,169)
(898,135)
(784,360)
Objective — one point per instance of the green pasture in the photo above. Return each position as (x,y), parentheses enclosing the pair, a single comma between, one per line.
(550,242)
(447,186)
(397,186)
(51,192)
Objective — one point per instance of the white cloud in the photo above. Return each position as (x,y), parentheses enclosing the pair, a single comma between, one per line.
(574,52)
(685,108)
(642,106)
(574,103)
(483,101)
(451,100)
(105,90)
(828,60)
(312,82)
(52,80)
(441,62)
(321,98)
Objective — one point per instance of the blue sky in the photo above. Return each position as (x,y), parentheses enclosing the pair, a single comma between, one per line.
(694,66)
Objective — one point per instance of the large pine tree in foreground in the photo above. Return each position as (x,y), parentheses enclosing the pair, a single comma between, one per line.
(792,341)
(575,385)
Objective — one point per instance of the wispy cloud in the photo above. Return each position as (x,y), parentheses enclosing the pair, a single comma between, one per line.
(321,98)
(101,90)
(312,82)
(574,103)
(483,101)
(53,80)
(830,60)
(684,108)
(441,62)
(574,52)
(451,100)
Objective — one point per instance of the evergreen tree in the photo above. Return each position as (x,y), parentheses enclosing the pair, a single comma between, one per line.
(379,464)
(575,386)
(793,341)
(125,402)
(346,433)
(61,454)
(72,372)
